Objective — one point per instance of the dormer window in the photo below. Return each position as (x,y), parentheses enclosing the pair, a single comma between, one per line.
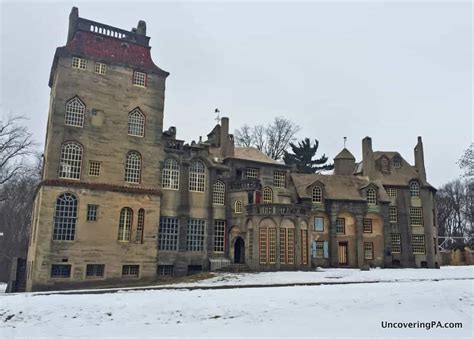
(384,165)
(371,197)
(317,195)
(139,79)
(397,162)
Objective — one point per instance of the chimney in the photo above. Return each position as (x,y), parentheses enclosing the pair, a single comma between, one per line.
(225,139)
(368,165)
(420,159)
(73,18)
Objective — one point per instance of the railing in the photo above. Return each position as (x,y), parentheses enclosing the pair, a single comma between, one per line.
(174,144)
(244,185)
(278,209)
(250,265)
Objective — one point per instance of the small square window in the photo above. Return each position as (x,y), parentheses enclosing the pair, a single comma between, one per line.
(319,224)
(60,271)
(100,68)
(139,79)
(92,212)
(367,225)
(79,63)
(95,271)
(130,271)
(94,168)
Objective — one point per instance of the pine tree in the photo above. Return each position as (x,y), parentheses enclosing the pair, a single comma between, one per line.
(303,155)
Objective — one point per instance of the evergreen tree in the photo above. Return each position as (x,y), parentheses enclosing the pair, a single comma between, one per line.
(302,157)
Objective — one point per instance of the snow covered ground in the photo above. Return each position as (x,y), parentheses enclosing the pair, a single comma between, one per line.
(352,310)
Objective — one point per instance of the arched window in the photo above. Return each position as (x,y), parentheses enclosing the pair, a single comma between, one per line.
(140,226)
(170,175)
(136,123)
(317,195)
(125,224)
(75,113)
(133,167)
(267,195)
(414,189)
(197,176)
(371,197)
(238,206)
(218,194)
(384,165)
(70,161)
(65,217)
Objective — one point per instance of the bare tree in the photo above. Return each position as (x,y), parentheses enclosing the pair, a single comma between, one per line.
(466,162)
(272,139)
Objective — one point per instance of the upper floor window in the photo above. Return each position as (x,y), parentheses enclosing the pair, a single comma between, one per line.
(92,212)
(133,167)
(251,173)
(136,123)
(414,189)
(267,195)
(238,207)
(65,217)
(79,63)
(100,68)
(94,168)
(140,226)
(367,225)
(125,224)
(279,179)
(341,226)
(397,162)
(139,79)
(71,160)
(371,197)
(392,192)
(317,194)
(75,109)
(197,176)
(218,194)
(170,174)
(384,165)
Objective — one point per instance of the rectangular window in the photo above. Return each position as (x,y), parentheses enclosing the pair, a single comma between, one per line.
(263,246)
(251,173)
(100,68)
(139,79)
(393,214)
(282,245)
(395,241)
(392,192)
(165,270)
(168,234)
(416,216)
(418,243)
(319,249)
(291,245)
(304,247)
(219,235)
(92,212)
(272,245)
(60,271)
(368,250)
(319,224)
(94,168)
(79,63)
(341,226)
(367,225)
(95,271)
(195,235)
(130,271)
(279,179)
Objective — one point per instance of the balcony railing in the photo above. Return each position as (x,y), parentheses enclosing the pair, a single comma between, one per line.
(244,185)
(174,144)
(278,209)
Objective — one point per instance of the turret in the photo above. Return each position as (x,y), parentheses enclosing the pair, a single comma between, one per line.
(344,163)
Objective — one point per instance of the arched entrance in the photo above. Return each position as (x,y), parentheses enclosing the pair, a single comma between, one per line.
(239,251)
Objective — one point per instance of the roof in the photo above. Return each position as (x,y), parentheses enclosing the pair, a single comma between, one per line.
(345,154)
(253,154)
(337,187)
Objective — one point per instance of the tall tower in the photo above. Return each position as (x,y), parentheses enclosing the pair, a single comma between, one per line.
(101,187)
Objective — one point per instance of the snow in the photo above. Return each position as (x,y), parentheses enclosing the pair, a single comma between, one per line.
(3,287)
(350,310)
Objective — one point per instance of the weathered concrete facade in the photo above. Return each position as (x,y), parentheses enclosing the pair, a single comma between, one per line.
(123,202)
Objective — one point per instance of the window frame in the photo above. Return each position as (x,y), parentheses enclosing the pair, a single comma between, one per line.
(416,245)
(367,225)
(78,63)
(93,269)
(133,169)
(100,68)
(139,79)
(393,214)
(322,223)
(65,217)
(71,158)
(238,207)
(74,112)
(219,235)
(414,189)
(92,212)
(136,123)
(416,216)
(169,240)
(197,177)
(371,196)
(218,193)
(396,242)
(60,267)
(267,195)
(125,225)
(340,226)
(170,174)
(279,179)
(196,235)
(252,173)
(94,168)
(316,195)
(140,231)
(368,249)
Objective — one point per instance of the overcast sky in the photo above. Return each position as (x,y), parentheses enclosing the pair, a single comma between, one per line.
(388,70)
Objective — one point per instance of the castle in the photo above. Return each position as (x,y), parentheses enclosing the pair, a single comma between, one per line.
(122,201)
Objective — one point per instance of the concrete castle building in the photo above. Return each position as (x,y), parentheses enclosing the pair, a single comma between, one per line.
(123,201)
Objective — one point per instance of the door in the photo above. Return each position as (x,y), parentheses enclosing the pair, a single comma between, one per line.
(239,250)
(343,253)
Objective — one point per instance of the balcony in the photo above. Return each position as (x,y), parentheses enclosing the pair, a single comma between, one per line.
(174,144)
(244,185)
(278,209)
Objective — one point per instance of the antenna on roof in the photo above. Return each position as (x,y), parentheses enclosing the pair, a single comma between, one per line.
(218,118)
(345,139)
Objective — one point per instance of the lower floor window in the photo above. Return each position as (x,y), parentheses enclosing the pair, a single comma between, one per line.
(368,250)
(130,271)
(318,249)
(395,242)
(219,235)
(418,243)
(165,270)
(304,247)
(95,270)
(195,235)
(60,271)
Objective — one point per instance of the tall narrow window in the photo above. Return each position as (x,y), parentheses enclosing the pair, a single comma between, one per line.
(384,165)
(368,250)
(250,232)
(267,195)
(371,197)
(319,224)
(65,217)
(317,195)
(92,212)
(283,246)
(140,226)
(291,246)
(341,226)
(75,113)
(418,243)
(397,162)
(414,189)
(218,194)
(272,245)
(170,175)
(393,214)
(125,224)
(238,207)
(263,245)
(136,123)
(195,235)
(219,235)
(71,160)
(139,79)
(367,225)
(168,234)
(304,247)
(395,241)
(133,167)
(197,176)
(279,179)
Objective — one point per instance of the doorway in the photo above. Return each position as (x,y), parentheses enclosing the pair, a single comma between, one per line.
(239,251)
(343,253)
